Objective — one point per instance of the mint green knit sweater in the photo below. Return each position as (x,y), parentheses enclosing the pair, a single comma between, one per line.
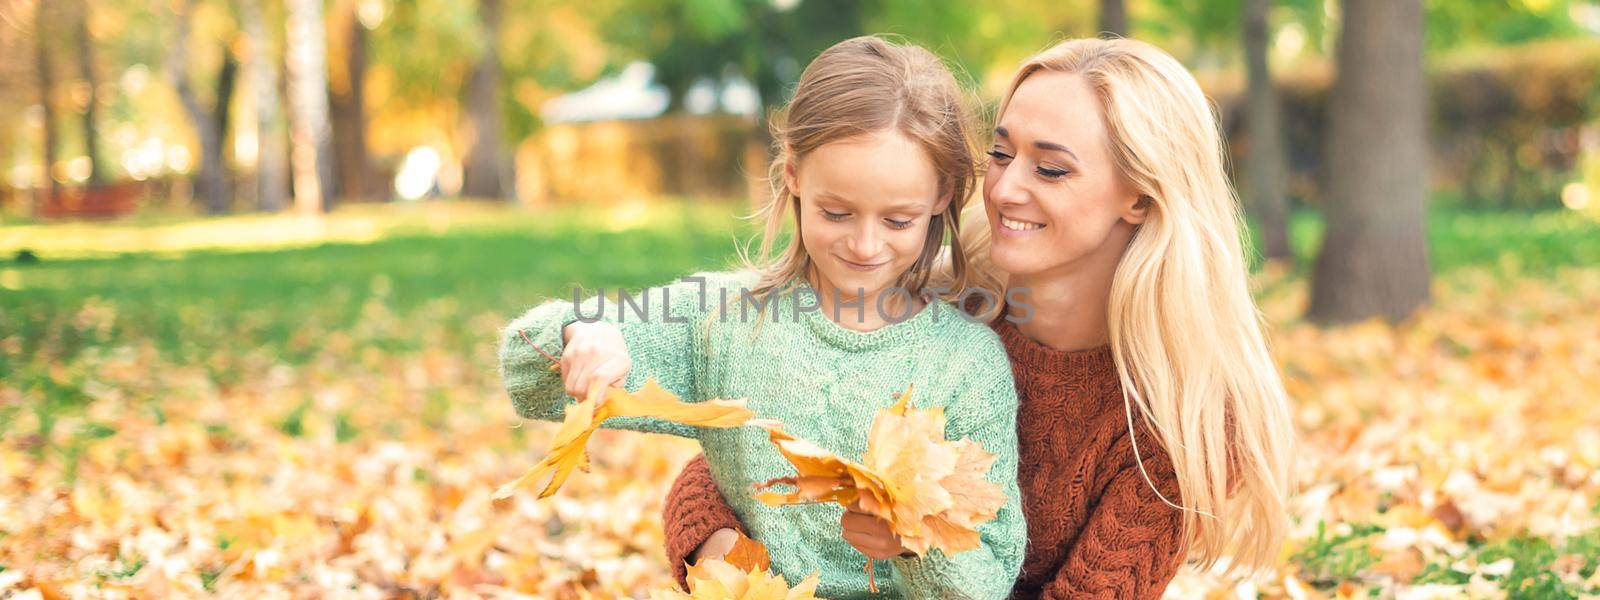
(826,383)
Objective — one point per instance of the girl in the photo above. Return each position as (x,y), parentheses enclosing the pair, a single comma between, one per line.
(1153,424)
(874,164)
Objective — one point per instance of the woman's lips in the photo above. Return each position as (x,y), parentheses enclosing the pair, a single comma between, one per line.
(1010,227)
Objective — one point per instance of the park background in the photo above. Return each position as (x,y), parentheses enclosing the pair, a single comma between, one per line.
(255,254)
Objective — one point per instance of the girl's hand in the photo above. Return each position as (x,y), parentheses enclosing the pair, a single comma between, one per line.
(869,534)
(593,353)
(717,546)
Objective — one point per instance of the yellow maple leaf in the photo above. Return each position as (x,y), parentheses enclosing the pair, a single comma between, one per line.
(930,490)
(714,579)
(569,452)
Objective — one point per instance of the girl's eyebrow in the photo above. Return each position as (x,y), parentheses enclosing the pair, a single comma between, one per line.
(827,195)
(910,207)
(1042,145)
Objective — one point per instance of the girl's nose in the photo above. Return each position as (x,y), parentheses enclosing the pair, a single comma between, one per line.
(865,244)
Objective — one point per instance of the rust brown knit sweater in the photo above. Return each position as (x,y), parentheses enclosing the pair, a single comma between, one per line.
(1095,527)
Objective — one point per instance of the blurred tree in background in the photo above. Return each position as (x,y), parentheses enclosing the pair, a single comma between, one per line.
(1374,258)
(1266,191)
(235,103)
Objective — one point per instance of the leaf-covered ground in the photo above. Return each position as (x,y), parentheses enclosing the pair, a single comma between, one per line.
(326,420)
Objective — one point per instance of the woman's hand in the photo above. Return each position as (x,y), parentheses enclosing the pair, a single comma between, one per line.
(869,534)
(717,546)
(593,353)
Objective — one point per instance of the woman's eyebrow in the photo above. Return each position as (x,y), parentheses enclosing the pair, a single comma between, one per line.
(1042,145)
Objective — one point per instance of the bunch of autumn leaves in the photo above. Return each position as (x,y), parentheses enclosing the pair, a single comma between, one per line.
(930,490)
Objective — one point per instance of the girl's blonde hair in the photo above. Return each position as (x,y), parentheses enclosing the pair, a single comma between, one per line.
(1186,335)
(860,86)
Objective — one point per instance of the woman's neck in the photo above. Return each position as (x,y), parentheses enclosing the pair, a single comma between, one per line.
(1069,305)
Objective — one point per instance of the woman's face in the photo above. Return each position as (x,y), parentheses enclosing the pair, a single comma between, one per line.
(865,205)
(1054,196)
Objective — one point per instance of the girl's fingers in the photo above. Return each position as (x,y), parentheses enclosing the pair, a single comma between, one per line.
(578,381)
(571,364)
(612,373)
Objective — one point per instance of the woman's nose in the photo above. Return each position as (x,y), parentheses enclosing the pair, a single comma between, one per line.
(1007,189)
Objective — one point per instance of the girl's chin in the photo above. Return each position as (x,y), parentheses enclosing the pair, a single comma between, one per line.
(852,284)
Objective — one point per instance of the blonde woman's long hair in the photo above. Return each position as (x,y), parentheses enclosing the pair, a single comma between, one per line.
(1188,341)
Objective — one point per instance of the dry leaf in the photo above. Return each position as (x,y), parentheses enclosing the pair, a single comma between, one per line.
(930,490)
(748,555)
(569,451)
(718,580)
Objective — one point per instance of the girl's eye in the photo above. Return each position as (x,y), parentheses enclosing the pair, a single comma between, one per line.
(833,216)
(1050,173)
(898,224)
(999,157)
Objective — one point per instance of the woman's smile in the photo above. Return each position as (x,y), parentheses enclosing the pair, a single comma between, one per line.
(1014,227)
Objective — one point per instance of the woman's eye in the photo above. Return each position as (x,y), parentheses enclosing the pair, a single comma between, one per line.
(1051,173)
(999,157)
(833,216)
(898,224)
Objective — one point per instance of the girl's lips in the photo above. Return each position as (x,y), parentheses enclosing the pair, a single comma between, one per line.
(860,266)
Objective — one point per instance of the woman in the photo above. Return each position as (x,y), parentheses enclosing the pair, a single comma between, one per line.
(1152,424)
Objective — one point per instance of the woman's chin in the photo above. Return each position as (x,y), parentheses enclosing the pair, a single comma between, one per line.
(1011,258)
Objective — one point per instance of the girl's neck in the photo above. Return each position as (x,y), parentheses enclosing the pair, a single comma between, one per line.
(1069,305)
(859,314)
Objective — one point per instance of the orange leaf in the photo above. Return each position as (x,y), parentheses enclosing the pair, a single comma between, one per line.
(748,555)
(931,490)
(569,451)
(654,401)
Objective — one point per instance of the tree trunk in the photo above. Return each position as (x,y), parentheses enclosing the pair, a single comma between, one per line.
(349,113)
(487,172)
(211,179)
(91,133)
(1113,18)
(312,154)
(1266,162)
(262,69)
(1374,259)
(49,186)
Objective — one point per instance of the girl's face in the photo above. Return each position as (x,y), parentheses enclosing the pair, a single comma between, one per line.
(865,205)
(1054,196)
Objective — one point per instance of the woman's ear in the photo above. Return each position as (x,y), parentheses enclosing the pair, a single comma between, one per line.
(1138,210)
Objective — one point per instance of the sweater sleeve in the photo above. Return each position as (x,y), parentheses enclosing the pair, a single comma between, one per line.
(989,570)
(1132,544)
(659,326)
(693,511)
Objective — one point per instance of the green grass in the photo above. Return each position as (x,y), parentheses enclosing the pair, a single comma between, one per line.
(1328,559)
(1534,243)
(229,312)
(214,309)
(185,302)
